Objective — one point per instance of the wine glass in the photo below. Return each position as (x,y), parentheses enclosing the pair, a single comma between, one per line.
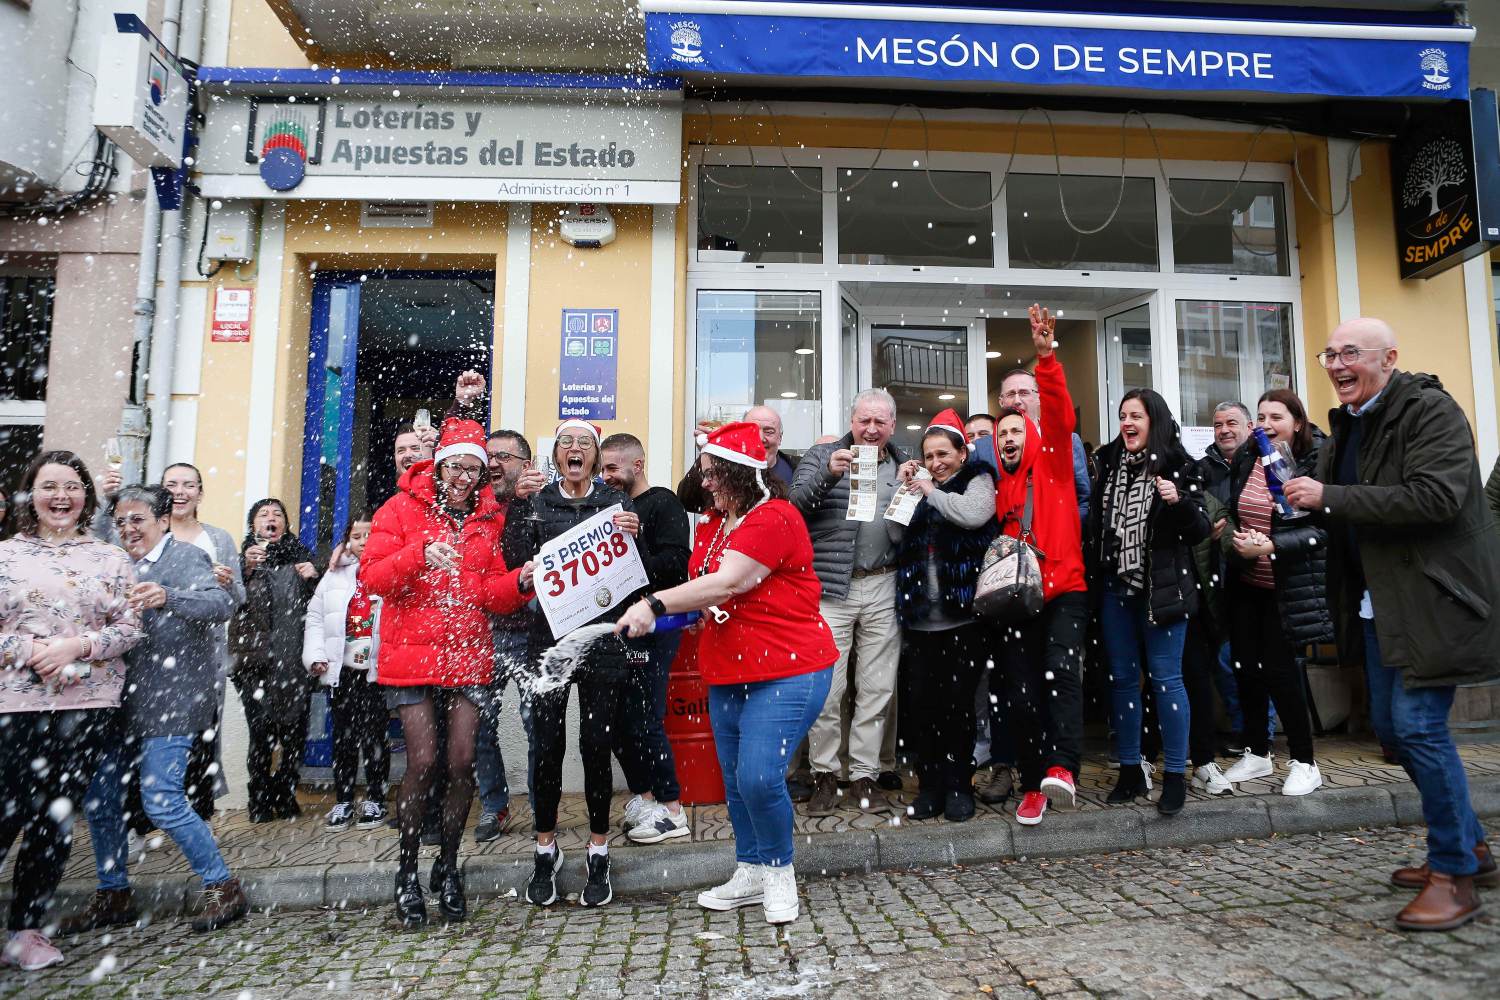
(114,455)
(1284,449)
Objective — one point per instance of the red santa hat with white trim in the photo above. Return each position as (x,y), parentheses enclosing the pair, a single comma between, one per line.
(460,437)
(950,421)
(574,424)
(739,442)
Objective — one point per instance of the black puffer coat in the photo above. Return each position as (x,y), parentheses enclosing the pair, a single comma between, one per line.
(823,500)
(1301,562)
(1171,531)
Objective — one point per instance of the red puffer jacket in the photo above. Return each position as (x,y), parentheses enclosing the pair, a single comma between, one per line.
(433,628)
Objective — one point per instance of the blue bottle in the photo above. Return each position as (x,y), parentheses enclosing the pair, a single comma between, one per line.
(1278,471)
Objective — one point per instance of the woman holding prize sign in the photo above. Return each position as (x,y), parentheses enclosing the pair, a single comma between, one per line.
(561,506)
(433,558)
(766,654)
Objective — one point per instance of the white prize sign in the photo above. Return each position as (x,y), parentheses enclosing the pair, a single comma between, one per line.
(583,573)
(141,99)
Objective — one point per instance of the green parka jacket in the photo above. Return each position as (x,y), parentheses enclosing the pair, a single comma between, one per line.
(1426,537)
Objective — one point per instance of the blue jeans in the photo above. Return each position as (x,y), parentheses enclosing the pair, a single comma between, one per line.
(1122,619)
(162,765)
(1414,721)
(489,763)
(756,730)
(641,745)
(1229,690)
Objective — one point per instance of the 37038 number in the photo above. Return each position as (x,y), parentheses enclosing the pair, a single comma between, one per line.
(591,562)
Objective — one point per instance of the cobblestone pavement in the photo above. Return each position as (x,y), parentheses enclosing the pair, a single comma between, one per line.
(1305,916)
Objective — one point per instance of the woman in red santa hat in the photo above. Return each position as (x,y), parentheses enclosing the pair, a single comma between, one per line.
(938,558)
(562,505)
(433,556)
(766,654)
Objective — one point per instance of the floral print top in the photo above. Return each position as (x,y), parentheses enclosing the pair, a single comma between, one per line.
(64,589)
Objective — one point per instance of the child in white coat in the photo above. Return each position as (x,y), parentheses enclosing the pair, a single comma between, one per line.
(339,643)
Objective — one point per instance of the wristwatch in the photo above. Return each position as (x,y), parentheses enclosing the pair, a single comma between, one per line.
(654,603)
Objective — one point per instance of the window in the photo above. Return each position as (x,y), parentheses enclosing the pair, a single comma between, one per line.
(1231,351)
(26,301)
(1245,233)
(761,349)
(760,215)
(1041,236)
(926,370)
(898,217)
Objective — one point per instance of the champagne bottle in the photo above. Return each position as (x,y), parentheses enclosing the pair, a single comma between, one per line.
(1278,471)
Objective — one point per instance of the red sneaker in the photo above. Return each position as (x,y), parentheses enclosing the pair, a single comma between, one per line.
(1033,806)
(1059,788)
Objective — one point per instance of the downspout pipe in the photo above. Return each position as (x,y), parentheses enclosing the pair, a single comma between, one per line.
(134,420)
(162,354)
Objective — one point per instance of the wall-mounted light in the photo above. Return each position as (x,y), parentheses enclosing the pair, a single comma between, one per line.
(945,396)
(788,395)
(992,355)
(804,350)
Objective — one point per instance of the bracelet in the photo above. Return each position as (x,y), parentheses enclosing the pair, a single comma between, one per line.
(654,603)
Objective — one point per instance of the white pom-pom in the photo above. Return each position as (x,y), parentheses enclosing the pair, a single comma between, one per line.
(701,438)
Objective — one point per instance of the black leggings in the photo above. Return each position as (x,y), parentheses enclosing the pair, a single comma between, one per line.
(1266,668)
(1200,654)
(419,723)
(949,664)
(599,710)
(359,724)
(71,743)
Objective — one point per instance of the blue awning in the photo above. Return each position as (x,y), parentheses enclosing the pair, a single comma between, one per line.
(1316,52)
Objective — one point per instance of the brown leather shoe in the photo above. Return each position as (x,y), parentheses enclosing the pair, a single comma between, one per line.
(107,908)
(825,796)
(867,795)
(1446,902)
(223,903)
(997,788)
(1487,877)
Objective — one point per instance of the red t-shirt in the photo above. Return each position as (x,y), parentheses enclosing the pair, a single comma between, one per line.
(774,630)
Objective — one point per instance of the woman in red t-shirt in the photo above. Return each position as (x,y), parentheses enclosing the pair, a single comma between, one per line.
(765,652)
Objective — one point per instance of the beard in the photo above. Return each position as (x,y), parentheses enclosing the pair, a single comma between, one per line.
(1010,464)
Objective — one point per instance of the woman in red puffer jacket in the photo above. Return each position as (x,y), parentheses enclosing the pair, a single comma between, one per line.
(434,557)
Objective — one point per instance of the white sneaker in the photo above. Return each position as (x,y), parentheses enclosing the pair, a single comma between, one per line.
(1211,780)
(660,824)
(1301,778)
(744,888)
(1247,767)
(636,810)
(780,889)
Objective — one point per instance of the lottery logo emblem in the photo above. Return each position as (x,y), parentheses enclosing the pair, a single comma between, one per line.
(604,598)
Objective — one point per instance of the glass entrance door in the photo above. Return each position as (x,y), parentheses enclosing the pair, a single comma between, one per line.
(381,346)
(926,369)
(1129,359)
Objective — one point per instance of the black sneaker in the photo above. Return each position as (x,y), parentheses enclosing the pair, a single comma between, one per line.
(542,889)
(598,891)
(371,815)
(490,826)
(340,817)
(889,781)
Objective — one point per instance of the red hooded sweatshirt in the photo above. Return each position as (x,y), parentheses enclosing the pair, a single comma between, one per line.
(433,627)
(1047,457)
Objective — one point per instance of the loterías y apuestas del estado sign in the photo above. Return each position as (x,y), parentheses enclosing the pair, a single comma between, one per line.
(552,147)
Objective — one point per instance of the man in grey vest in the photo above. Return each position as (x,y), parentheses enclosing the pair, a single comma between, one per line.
(856,563)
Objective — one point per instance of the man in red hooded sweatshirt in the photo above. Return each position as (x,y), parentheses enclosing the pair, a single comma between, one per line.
(1043,659)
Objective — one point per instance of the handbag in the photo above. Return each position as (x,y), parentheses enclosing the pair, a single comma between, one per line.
(1009,590)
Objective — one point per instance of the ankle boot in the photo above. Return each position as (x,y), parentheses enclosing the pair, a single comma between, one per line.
(1173,793)
(1446,902)
(1129,786)
(451,902)
(1487,877)
(107,908)
(411,908)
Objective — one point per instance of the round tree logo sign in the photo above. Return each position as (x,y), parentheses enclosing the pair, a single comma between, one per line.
(687,42)
(1435,70)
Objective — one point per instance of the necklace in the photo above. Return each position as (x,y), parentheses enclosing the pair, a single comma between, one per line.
(720,541)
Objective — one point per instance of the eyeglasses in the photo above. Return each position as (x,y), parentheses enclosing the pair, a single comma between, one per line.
(71,489)
(131,521)
(505,456)
(462,471)
(1348,355)
(1018,394)
(581,442)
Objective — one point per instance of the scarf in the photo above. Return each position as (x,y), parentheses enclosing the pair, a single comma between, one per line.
(1128,501)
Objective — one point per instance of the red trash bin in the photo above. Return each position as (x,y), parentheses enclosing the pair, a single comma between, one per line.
(688,728)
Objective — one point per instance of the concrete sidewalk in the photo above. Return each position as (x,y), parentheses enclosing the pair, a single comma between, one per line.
(299,864)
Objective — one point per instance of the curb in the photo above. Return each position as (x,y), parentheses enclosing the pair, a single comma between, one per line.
(680,868)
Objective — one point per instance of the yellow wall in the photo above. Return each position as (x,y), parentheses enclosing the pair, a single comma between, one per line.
(617,276)
(257,37)
(219,447)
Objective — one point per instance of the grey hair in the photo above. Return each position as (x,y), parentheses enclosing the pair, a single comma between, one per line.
(154,498)
(1232,404)
(880,395)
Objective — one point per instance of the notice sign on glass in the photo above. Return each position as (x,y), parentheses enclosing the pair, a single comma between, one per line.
(590,363)
(232,310)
